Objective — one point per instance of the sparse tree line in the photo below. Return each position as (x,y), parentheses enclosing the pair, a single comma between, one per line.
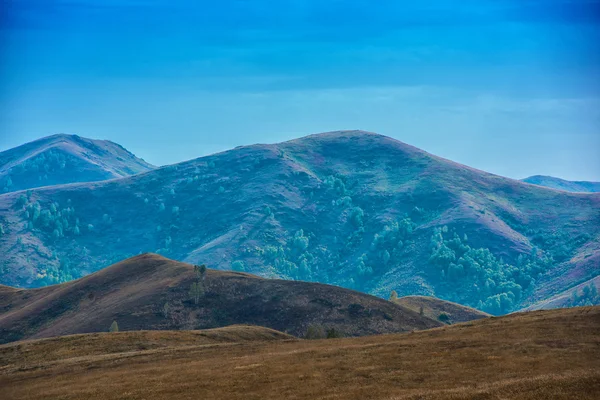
(50,218)
(37,169)
(587,297)
(314,332)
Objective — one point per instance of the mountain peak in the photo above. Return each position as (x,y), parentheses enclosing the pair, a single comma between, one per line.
(64,158)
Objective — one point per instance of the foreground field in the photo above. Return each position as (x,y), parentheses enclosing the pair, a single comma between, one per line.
(538,355)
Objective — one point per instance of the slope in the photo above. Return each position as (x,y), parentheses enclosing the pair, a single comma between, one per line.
(351,208)
(539,355)
(60,159)
(445,311)
(150,292)
(561,184)
(584,294)
(97,344)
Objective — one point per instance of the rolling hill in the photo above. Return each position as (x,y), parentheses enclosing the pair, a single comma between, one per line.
(538,355)
(440,310)
(60,159)
(561,184)
(350,208)
(150,292)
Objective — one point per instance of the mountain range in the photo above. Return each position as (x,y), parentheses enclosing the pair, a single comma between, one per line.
(348,208)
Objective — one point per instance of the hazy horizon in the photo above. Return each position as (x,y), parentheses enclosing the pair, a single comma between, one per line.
(509,87)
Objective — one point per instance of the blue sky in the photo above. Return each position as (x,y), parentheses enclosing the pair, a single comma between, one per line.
(511,87)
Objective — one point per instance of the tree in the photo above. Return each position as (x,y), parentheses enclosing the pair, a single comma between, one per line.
(315,332)
(166,309)
(196,292)
(445,318)
(200,271)
(393,295)
(238,266)
(114,327)
(333,333)
(421,311)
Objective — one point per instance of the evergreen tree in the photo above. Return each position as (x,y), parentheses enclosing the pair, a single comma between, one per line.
(114,327)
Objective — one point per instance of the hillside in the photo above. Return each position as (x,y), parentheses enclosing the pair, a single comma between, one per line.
(351,208)
(561,184)
(584,294)
(60,159)
(440,310)
(539,355)
(150,292)
(96,344)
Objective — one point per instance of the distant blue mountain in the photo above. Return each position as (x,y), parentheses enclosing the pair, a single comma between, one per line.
(561,184)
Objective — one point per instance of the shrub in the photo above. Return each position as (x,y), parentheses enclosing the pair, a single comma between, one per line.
(315,332)
(333,333)
(238,266)
(445,318)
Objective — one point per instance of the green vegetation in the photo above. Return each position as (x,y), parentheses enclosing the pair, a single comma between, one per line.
(475,277)
(319,332)
(443,317)
(196,292)
(114,327)
(238,266)
(589,297)
(51,218)
(198,288)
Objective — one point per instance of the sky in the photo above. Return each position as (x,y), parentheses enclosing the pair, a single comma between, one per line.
(511,87)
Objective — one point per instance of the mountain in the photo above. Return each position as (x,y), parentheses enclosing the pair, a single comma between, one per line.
(60,159)
(351,208)
(561,184)
(440,310)
(150,292)
(551,354)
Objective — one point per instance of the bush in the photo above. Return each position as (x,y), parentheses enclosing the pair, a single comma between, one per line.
(445,318)
(238,266)
(315,332)
(333,333)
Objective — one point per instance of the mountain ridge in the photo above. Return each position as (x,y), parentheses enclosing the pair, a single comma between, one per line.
(349,208)
(563,184)
(64,159)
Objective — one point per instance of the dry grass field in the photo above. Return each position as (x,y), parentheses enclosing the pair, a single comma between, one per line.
(552,354)
(433,308)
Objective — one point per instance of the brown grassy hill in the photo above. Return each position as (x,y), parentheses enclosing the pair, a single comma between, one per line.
(436,309)
(150,292)
(94,344)
(539,355)
(351,208)
(61,159)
